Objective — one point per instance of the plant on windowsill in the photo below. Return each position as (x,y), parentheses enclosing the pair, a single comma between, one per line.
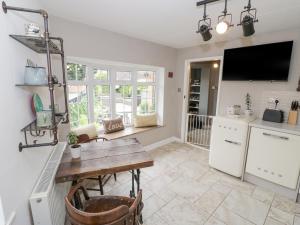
(248,102)
(74,146)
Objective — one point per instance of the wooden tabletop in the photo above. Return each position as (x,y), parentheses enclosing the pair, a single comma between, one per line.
(100,158)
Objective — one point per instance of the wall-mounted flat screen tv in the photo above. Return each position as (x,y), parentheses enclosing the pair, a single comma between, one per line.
(268,62)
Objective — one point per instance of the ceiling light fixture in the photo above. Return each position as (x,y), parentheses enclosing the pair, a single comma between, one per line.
(216,65)
(204,26)
(247,20)
(224,21)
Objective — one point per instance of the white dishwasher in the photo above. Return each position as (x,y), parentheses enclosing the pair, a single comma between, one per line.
(228,144)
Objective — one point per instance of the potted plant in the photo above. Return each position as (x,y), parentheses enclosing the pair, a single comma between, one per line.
(74,146)
(248,102)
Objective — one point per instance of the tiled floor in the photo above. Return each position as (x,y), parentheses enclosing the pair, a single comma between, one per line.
(181,189)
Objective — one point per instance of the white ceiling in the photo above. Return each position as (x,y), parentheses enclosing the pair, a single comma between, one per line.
(172,22)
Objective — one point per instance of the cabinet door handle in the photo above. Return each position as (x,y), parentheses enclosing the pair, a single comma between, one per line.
(232,142)
(276,136)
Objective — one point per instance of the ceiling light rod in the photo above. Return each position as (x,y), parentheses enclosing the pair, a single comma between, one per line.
(204,26)
(204,2)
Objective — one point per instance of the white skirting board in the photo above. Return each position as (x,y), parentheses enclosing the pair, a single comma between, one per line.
(161,143)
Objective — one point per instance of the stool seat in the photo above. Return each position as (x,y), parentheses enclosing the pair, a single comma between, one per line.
(103,210)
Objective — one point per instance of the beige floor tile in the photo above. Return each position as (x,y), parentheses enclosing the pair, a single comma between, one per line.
(297,220)
(188,189)
(247,207)
(263,195)
(281,216)
(181,212)
(222,188)
(270,221)
(210,200)
(286,204)
(193,169)
(210,178)
(156,170)
(214,221)
(238,185)
(155,219)
(230,218)
(124,177)
(158,183)
(165,194)
(152,205)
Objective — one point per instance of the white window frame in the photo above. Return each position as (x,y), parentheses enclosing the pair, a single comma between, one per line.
(90,82)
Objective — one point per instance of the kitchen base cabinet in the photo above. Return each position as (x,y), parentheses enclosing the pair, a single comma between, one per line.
(274,156)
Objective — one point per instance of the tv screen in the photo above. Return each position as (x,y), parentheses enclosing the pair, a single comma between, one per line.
(258,63)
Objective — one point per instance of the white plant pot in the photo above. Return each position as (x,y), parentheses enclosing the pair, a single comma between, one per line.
(75,152)
(248,112)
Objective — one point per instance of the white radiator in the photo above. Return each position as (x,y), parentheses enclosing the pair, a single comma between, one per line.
(47,198)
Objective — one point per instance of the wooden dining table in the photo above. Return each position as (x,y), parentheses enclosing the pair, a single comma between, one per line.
(103,158)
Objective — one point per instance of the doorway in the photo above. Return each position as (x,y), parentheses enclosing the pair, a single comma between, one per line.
(201,100)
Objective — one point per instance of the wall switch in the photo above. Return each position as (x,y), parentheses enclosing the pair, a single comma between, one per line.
(179,90)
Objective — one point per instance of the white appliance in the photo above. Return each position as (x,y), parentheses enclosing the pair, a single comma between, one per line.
(228,144)
(274,155)
(47,199)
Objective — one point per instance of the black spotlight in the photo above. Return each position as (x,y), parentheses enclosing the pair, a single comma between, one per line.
(247,20)
(205,32)
(248,26)
(204,27)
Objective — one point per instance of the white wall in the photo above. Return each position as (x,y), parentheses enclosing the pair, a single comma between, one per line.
(84,41)
(18,171)
(233,92)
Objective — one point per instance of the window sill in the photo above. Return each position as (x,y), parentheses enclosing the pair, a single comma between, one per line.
(127,132)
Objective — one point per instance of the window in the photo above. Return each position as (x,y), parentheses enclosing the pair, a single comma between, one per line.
(123,99)
(78,105)
(99,92)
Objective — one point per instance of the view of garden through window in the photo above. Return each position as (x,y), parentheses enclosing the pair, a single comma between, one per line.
(99,93)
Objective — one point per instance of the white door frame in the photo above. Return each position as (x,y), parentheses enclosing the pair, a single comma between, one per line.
(185,88)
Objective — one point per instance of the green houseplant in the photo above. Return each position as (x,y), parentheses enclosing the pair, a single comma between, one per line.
(73,142)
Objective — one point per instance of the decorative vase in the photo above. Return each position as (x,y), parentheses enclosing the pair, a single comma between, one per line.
(75,151)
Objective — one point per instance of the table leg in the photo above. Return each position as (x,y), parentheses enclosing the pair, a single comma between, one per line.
(138,180)
(77,200)
(132,192)
(101,185)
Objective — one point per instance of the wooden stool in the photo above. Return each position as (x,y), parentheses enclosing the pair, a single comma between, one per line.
(104,210)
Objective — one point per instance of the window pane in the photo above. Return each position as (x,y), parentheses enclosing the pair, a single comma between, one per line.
(145,106)
(76,71)
(127,118)
(78,104)
(100,74)
(145,76)
(101,104)
(123,91)
(123,102)
(123,76)
(124,105)
(145,99)
(146,91)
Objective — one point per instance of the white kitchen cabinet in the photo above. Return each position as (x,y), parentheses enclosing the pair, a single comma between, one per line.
(274,156)
(228,144)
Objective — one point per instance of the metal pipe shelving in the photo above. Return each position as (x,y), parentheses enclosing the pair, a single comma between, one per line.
(43,45)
